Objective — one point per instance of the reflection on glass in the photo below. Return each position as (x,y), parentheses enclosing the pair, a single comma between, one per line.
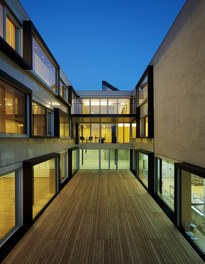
(106,132)
(143,91)
(123,106)
(64,125)
(10,33)
(104,108)
(192,207)
(8,203)
(143,168)
(126,133)
(144,109)
(120,133)
(85,133)
(112,106)
(85,106)
(124,159)
(63,166)
(144,127)
(12,110)
(95,133)
(166,184)
(1,20)
(113,159)
(44,180)
(104,159)
(134,130)
(43,66)
(39,120)
(74,161)
(63,91)
(89,159)
(95,106)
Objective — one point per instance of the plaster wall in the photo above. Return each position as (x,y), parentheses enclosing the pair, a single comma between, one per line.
(179,88)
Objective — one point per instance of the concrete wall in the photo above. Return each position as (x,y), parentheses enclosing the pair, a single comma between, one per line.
(179,88)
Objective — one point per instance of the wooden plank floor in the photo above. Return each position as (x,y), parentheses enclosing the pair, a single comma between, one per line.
(103,217)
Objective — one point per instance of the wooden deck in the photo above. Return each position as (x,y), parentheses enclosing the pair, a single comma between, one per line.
(103,217)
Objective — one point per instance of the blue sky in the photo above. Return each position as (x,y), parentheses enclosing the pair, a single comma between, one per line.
(111,40)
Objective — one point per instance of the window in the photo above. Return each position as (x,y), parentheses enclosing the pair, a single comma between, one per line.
(43,66)
(42,120)
(9,201)
(124,159)
(145,110)
(64,125)
(143,168)
(89,158)
(134,130)
(165,181)
(106,132)
(74,161)
(142,91)
(9,28)
(123,133)
(10,33)
(85,106)
(144,127)
(44,184)
(12,109)
(112,106)
(104,109)
(95,106)
(63,166)
(63,91)
(123,106)
(193,203)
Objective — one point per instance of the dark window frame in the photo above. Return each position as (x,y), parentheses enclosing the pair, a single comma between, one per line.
(150,101)
(28,185)
(32,122)
(13,54)
(57,114)
(28,95)
(200,172)
(30,32)
(150,187)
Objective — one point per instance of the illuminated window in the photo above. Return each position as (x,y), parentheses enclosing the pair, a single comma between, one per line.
(104,108)
(134,130)
(123,133)
(112,106)
(44,184)
(145,115)
(12,109)
(85,106)
(43,66)
(95,106)
(42,120)
(10,33)
(123,106)
(63,91)
(8,203)
(64,125)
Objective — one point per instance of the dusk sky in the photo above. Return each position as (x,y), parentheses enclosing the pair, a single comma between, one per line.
(111,40)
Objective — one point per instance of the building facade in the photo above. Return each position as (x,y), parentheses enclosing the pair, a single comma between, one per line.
(48,130)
